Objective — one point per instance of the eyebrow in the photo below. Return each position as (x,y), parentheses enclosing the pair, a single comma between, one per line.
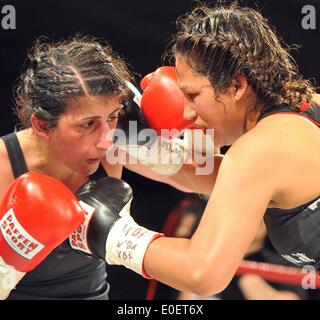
(184,86)
(90,118)
(99,117)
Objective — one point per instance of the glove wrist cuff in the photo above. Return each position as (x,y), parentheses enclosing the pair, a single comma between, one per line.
(127,244)
(144,273)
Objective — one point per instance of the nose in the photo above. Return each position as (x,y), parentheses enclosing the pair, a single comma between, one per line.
(105,138)
(188,112)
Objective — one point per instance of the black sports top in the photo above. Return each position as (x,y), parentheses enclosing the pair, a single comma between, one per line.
(295,233)
(64,273)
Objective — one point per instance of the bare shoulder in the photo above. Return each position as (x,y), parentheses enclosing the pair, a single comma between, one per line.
(280,136)
(271,149)
(253,146)
(290,134)
(282,151)
(6,176)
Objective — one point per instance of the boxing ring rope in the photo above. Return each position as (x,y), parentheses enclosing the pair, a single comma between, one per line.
(278,273)
(271,272)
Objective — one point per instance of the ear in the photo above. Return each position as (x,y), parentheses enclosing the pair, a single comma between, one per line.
(40,126)
(239,85)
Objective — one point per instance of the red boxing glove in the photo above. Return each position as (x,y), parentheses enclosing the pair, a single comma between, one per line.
(162,101)
(37,214)
(162,106)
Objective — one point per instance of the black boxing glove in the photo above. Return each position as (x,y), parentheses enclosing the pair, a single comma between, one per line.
(109,232)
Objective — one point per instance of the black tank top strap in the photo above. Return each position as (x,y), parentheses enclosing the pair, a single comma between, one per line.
(301,223)
(17,160)
(64,273)
(310,111)
(275,109)
(313,113)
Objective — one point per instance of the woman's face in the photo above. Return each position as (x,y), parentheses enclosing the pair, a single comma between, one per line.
(80,139)
(221,113)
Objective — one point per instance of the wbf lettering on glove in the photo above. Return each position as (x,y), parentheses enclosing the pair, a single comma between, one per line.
(126,246)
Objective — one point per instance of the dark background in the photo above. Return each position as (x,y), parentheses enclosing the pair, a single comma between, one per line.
(138,30)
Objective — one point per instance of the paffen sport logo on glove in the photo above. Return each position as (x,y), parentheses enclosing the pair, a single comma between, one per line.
(79,239)
(17,237)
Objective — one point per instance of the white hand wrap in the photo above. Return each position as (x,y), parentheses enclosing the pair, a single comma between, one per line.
(164,156)
(167,156)
(9,277)
(199,142)
(127,244)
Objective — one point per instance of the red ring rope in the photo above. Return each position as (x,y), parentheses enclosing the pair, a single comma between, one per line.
(278,273)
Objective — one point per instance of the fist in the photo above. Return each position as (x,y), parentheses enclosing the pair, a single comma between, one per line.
(162,102)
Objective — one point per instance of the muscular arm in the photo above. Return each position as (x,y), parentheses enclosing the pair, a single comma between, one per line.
(116,170)
(186,180)
(189,177)
(150,174)
(206,263)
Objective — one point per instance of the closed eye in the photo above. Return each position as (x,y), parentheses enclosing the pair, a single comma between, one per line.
(190,96)
(115,115)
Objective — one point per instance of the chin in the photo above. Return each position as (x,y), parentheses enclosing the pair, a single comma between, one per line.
(87,170)
(92,170)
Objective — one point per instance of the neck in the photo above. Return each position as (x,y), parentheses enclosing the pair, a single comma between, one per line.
(252,108)
(251,120)
(41,158)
